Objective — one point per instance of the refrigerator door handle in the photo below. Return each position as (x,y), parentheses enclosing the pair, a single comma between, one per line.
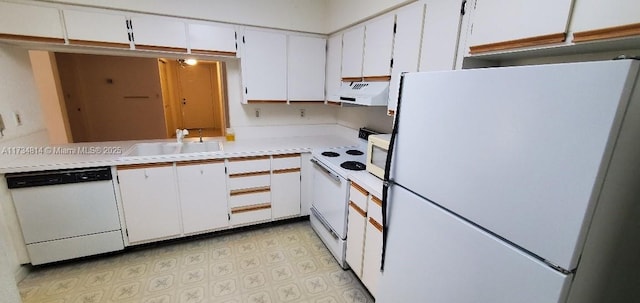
(326,170)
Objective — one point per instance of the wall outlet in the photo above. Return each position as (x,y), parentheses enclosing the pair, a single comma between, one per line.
(302,113)
(257,113)
(18,118)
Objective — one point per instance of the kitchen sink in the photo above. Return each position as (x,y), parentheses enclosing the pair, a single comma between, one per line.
(200,147)
(171,148)
(153,149)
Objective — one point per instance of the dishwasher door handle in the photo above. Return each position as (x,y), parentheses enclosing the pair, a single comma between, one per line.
(326,170)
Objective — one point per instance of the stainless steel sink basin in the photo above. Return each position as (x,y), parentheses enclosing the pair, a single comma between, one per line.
(200,147)
(153,149)
(171,148)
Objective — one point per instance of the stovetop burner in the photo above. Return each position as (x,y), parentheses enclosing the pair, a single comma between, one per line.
(354,152)
(330,154)
(353,165)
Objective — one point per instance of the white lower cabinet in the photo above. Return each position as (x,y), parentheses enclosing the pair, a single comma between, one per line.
(364,237)
(285,186)
(249,186)
(149,201)
(203,198)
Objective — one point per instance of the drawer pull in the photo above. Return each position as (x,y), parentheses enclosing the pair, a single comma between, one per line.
(376,200)
(250,158)
(253,190)
(359,188)
(375,224)
(146,165)
(244,209)
(358,209)
(286,171)
(251,174)
(198,162)
(286,155)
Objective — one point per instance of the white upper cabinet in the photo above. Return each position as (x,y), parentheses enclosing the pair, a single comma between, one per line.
(440,35)
(406,49)
(159,33)
(504,24)
(31,23)
(96,28)
(306,68)
(212,39)
(352,53)
(334,61)
(378,47)
(264,66)
(612,19)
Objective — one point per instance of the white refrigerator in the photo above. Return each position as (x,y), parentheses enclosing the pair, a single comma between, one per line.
(515,185)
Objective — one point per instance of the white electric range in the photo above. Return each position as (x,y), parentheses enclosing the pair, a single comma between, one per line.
(329,206)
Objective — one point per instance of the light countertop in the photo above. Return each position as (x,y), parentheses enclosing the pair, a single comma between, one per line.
(93,154)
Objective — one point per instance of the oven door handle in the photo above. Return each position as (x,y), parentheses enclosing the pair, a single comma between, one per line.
(324,223)
(325,170)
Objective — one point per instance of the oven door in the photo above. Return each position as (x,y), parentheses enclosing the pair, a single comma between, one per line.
(330,192)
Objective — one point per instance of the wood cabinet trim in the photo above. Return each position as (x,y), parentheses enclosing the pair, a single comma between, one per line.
(308,101)
(351,79)
(279,156)
(248,158)
(333,103)
(161,48)
(99,43)
(213,53)
(375,224)
(143,165)
(518,43)
(246,191)
(251,174)
(32,38)
(377,78)
(286,170)
(266,101)
(359,188)
(376,200)
(358,209)
(607,33)
(198,162)
(242,209)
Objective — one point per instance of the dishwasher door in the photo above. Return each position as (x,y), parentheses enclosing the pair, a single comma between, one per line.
(66,210)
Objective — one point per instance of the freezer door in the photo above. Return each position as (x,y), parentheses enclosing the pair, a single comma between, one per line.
(433,256)
(521,151)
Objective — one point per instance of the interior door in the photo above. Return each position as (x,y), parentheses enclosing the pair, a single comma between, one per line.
(197,96)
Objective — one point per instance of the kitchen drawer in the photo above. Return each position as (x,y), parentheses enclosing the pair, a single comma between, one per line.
(249,197)
(252,180)
(248,164)
(250,214)
(358,195)
(375,209)
(285,161)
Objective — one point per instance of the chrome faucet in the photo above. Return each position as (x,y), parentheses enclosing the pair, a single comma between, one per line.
(180,134)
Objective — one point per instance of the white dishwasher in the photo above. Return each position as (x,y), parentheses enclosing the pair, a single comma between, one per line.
(66,214)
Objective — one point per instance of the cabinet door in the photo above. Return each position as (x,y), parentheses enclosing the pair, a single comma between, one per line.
(98,29)
(440,36)
(158,33)
(203,196)
(150,202)
(500,24)
(264,66)
(285,193)
(406,48)
(352,54)
(372,256)
(306,68)
(611,19)
(212,39)
(378,45)
(31,23)
(356,224)
(334,61)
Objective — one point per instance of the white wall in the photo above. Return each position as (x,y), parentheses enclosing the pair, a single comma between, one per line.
(374,117)
(298,15)
(344,13)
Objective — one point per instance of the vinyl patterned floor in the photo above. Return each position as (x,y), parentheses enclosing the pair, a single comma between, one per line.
(280,263)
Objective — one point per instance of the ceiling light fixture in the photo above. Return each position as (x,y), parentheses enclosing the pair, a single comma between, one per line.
(190,62)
